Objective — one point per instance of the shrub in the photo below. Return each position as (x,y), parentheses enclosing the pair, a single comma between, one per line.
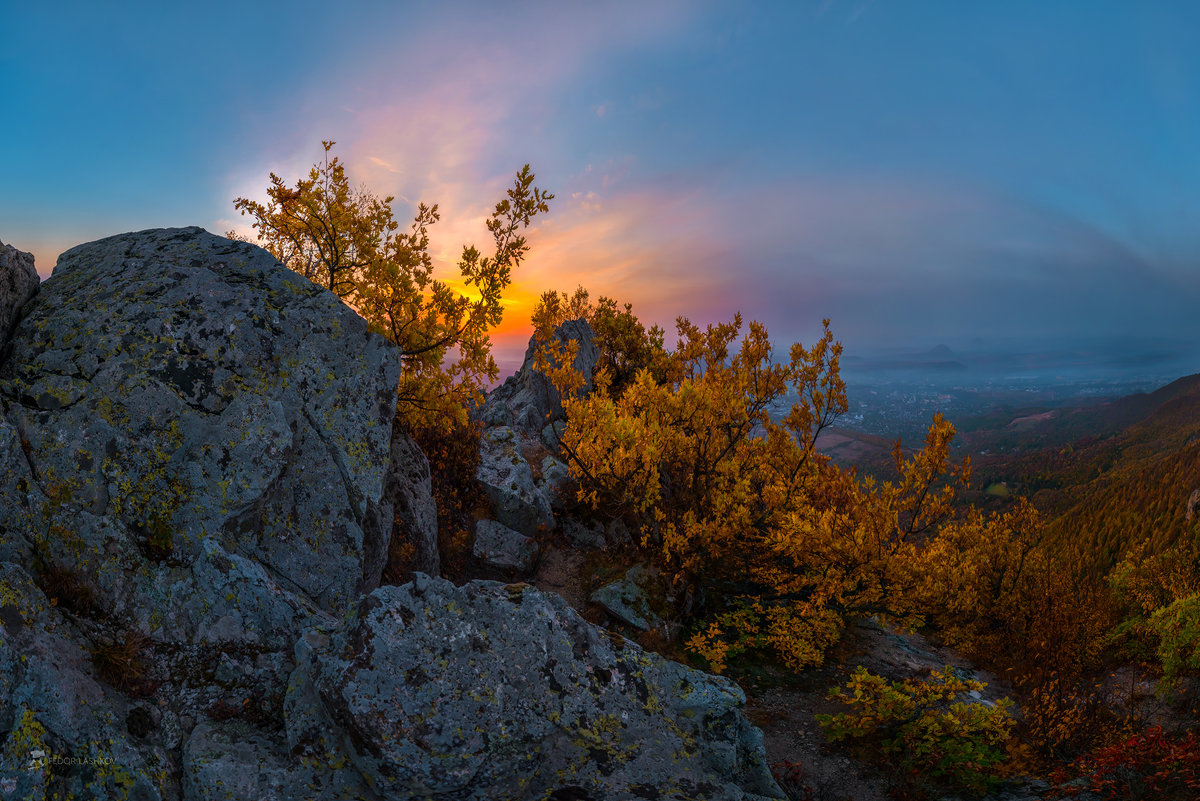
(348,240)
(794,634)
(956,745)
(733,501)
(121,662)
(1178,629)
(69,589)
(1147,765)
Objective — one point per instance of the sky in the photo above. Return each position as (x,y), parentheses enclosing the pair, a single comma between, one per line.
(918,172)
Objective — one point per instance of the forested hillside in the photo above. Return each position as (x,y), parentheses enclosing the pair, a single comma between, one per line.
(1124,480)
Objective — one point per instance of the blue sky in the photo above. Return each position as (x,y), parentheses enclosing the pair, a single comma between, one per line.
(918,172)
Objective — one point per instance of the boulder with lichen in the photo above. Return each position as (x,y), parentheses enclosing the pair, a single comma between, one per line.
(502,691)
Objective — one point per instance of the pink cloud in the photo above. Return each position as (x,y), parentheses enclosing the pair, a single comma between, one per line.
(425,122)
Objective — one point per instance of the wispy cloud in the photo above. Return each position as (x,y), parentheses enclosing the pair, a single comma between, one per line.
(427,124)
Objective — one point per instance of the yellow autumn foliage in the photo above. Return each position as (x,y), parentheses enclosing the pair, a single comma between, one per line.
(770,543)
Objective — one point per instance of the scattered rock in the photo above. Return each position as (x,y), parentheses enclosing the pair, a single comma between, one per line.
(554,481)
(628,599)
(501,691)
(898,655)
(1028,789)
(618,533)
(497,545)
(589,536)
(552,434)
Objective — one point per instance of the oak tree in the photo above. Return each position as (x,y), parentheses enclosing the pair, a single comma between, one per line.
(348,240)
(764,538)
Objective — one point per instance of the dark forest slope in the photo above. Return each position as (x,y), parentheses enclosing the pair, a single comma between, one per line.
(1124,480)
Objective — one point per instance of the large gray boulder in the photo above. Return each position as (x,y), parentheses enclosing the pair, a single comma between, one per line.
(628,598)
(493,691)
(202,433)
(497,545)
(194,447)
(18,283)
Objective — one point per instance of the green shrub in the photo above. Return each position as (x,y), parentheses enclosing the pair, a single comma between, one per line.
(955,745)
(1178,630)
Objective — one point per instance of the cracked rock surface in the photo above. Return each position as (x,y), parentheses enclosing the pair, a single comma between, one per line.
(194,444)
(18,283)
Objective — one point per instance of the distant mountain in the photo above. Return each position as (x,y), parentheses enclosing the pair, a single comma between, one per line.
(940,353)
(1033,360)
(932,361)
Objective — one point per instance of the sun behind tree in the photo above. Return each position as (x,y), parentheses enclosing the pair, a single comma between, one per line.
(348,240)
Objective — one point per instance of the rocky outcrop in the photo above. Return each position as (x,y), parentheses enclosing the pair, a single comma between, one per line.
(198,476)
(507,479)
(18,283)
(527,399)
(493,691)
(522,419)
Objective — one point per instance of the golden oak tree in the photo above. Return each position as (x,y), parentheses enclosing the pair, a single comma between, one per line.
(775,546)
(348,240)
